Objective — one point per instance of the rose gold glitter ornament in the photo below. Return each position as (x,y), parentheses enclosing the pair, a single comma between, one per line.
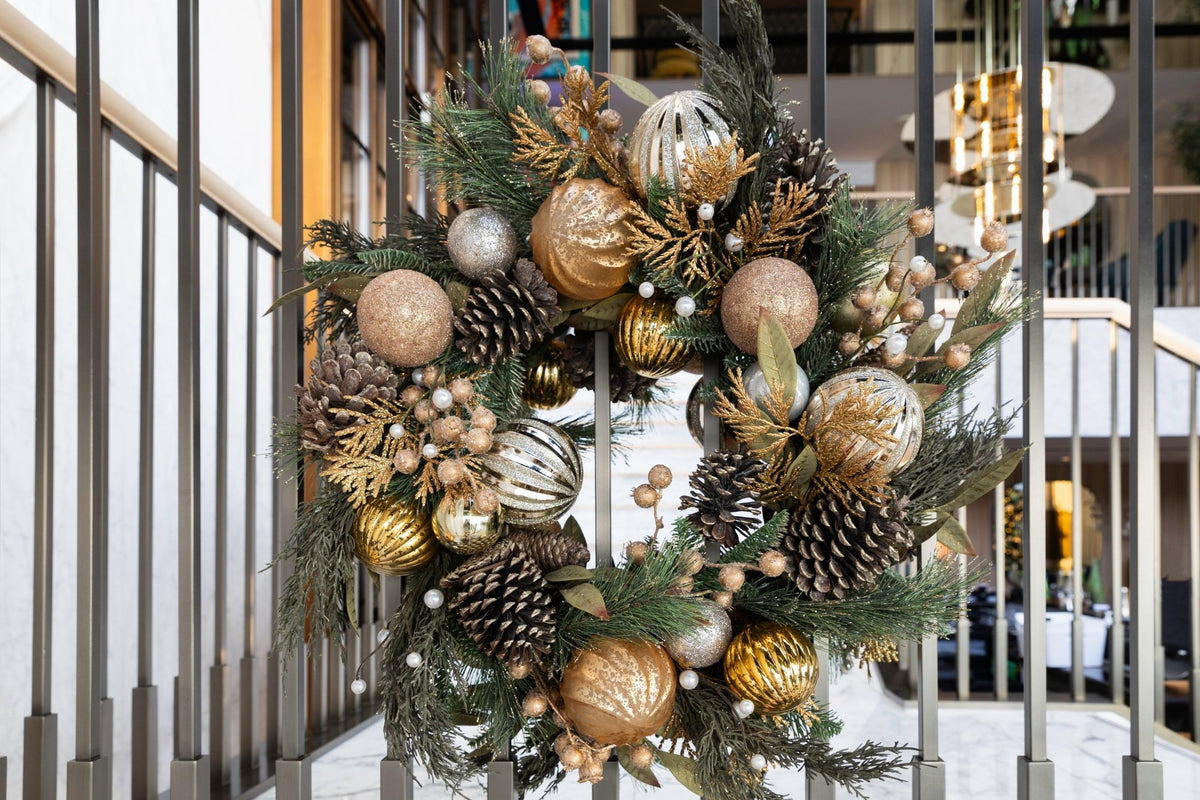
(776,284)
(405,317)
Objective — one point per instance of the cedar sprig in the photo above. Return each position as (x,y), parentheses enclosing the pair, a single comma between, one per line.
(765,434)
(675,248)
(859,415)
(709,173)
(786,230)
(543,152)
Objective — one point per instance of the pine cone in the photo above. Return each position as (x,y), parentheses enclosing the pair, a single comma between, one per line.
(624,385)
(725,506)
(501,599)
(809,162)
(549,547)
(342,379)
(506,315)
(840,544)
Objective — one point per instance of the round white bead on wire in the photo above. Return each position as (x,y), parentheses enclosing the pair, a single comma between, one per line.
(936,322)
(896,344)
(918,263)
(434,598)
(706,211)
(689,679)
(733,243)
(745,708)
(442,399)
(429,451)
(358,686)
(646,289)
(418,376)
(414,659)
(396,431)
(758,762)
(685,306)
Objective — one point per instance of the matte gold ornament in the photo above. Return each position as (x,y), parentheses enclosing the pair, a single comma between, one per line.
(535,470)
(666,130)
(547,384)
(902,417)
(580,239)
(776,284)
(405,317)
(461,527)
(393,538)
(705,644)
(618,692)
(481,240)
(773,666)
(641,339)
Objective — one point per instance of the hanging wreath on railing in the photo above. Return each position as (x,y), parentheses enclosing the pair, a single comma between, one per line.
(715,229)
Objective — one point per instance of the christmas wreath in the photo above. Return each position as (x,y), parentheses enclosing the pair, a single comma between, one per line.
(715,230)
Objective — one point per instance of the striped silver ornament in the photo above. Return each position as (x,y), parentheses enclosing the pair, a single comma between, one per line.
(666,130)
(535,469)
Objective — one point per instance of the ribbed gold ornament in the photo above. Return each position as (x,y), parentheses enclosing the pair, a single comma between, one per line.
(618,692)
(393,538)
(547,384)
(463,529)
(535,470)
(641,339)
(580,239)
(773,666)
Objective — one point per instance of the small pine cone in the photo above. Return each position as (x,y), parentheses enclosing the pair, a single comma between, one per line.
(342,379)
(840,544)
(549,547)
(500,597)
(624,385)
(506,315)
(809,162)
(725,505)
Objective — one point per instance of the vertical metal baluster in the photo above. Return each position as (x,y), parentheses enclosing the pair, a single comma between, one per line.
(1077,685)
(962,633)
(293,771)
(999,567)
(87,773)
(318,684)
(145,694)
(248,710)
(1116,634)
(40,776)
(102,369)
(710,23)
(1035,772)
(190,778)
(1194,550)
(218,674)
(929,771)
(274,669)
(1143,777)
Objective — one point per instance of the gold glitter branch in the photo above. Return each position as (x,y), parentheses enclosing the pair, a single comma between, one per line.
(764,436)
(542,151)
(843,464)
(666,246)
(708,174)
(785,231)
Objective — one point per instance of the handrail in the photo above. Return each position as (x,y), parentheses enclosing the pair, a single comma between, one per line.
(1180,190)
(1118,311)
(58,64)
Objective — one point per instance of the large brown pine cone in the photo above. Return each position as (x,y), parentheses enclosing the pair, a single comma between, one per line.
(624,385)
(501,599)
(840,544)
(725,506)
(342,379)
(506,315)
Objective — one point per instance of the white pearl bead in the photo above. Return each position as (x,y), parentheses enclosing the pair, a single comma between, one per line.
(689,679)
(918,263)
(758,762)
(429,451)
(396,431)
(382,636)
(414,660)
(685,306)
(936,322)
(358,686)
(746,707)
(434,598)
(706,211)
(418,376)
(442,399)
(896,343)
(646,290)
(733,243)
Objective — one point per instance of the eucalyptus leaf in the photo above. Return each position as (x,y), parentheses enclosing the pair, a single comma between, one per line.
(982,482)
(802,468)
(320,283)
(776,357)
(643,774)
(572,530)
(586,597)
(972,337)
(954,536)
(684,770)
(352,605)
(991,280)
(928,392)
(569,574)
(923,532)
(581,322)
(608,309)
(635,91)
(921,340)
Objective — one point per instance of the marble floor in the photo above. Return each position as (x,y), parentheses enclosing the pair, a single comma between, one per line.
(979,743)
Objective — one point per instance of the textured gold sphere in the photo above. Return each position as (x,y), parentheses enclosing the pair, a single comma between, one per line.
(641,339)
(466,530)
(481,240)
(902,418)
(580,239)
(666,131)
(405,317)
(776,284)
(618,692)
(773,666)
(547,384)
(393,538)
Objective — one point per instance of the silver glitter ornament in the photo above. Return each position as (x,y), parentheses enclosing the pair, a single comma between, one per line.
(481,240)
(705,644)
(535,469)
(667,130)
(756,386)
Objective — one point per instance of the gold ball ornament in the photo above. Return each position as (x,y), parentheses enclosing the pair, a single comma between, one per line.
(580,239)
(665,132)
(464,529)
(405,317)
(393,538)
(776,284)
(641,339)
(618,692)
(901,417)
(535,470)
(481,240)
(773,666)
(705,644)
(547,384)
